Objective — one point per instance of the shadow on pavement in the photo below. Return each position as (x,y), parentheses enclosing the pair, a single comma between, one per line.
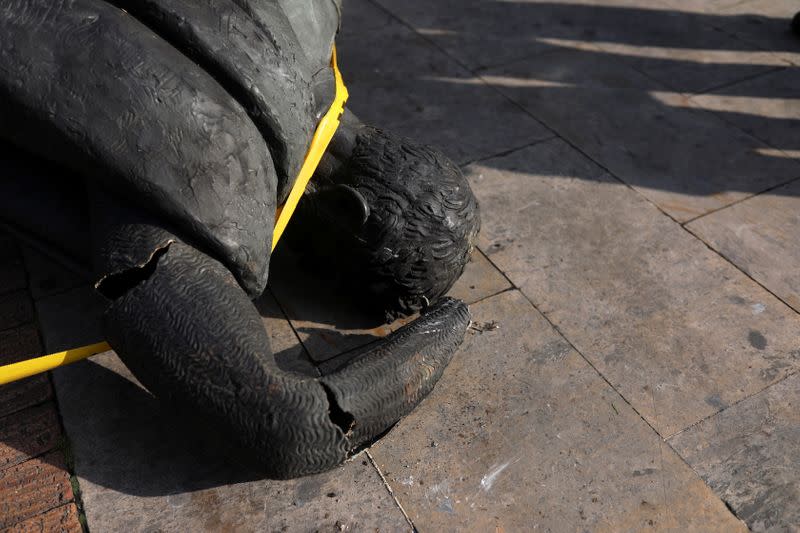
(614,81)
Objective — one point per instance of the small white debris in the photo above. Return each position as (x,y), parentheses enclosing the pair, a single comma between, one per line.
(488,480)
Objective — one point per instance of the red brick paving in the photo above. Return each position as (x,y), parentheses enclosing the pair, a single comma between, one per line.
(19,343)
(16,308)
(12,273)
(24,393)
(61,520)
(28,433)
(35,489)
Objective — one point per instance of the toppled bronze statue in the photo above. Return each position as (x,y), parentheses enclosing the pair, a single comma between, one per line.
(154,139)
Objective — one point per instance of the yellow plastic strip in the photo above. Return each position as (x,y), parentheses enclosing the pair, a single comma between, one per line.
(319,143)
(31,367)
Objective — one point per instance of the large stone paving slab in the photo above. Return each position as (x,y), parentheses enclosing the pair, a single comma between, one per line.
(676,329)
(759,236)
(521,434)
(750,455)
(767,107)
(686,161)
(393,76)
(140,469)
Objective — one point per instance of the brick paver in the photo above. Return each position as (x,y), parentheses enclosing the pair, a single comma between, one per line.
(35,488)
(28,433)
(16,309)
(21,342)
(24,393)
(63,519)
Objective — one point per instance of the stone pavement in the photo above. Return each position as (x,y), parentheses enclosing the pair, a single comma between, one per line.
(634,359)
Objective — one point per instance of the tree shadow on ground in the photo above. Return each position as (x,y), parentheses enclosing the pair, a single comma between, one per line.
(613,81)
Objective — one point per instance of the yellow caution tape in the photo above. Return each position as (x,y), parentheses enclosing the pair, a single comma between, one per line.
(319,143)
(37,365)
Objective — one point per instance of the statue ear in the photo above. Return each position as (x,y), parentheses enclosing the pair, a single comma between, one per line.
(344,205)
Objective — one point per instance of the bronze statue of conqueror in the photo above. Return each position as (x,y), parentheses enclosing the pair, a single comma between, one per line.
(154,139)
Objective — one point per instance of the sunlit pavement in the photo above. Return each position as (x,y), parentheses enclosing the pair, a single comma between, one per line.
(633,359)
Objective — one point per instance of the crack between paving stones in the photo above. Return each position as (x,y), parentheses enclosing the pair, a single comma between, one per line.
(660,449)
(31,406)
(728,84)
(300,342)
(734,404)
(31,241)
(12,328)
(666,441)
(710,488)
(509,151)
(508,289)
(734,265)
(739,201)
(9,527)
(60,292)
(391,492)
(690,95)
